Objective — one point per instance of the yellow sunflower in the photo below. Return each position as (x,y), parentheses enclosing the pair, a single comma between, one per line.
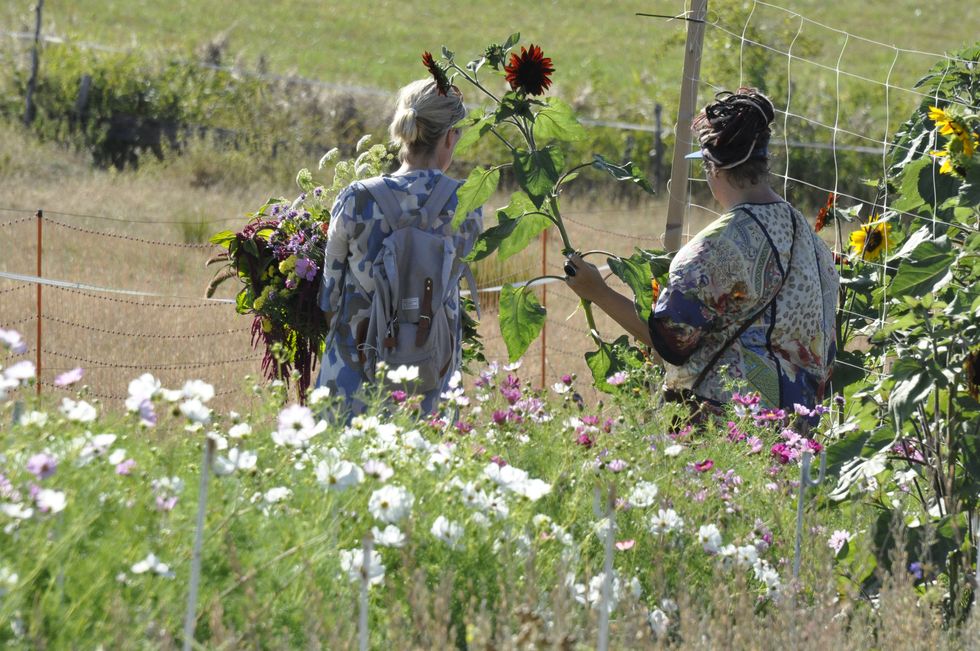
(949,125)
(947,163)
(871,240)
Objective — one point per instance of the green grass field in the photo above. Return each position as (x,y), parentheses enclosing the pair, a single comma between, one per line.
(600,47)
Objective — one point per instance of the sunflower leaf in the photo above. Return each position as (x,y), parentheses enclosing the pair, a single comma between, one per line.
(512,40)
(538,171)
(521,319)
(624,172)
(557,121)
(479,186)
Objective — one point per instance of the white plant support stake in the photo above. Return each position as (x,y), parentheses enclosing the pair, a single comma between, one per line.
(190,620)
(607,566)
(362,619)
(806,481)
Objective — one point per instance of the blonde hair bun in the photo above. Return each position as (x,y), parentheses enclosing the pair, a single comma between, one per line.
(423,116)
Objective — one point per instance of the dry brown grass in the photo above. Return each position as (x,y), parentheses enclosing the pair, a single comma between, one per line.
(137,244)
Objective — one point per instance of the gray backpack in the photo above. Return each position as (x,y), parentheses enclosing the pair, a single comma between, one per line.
(415,273)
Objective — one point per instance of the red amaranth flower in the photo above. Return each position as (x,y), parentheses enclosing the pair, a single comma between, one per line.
(529,71)
(438,73)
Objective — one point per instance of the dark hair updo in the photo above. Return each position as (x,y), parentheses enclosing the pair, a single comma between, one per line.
(733,132)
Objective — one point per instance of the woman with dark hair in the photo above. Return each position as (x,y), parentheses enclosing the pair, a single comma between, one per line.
(755,292)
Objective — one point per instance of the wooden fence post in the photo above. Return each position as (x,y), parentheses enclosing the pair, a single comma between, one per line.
(29,109)
(677,208)
(37,353)
(658,148)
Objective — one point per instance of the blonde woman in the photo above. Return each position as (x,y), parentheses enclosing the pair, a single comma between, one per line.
(422,127)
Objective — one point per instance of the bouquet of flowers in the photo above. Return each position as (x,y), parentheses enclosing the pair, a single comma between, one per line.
(278,258)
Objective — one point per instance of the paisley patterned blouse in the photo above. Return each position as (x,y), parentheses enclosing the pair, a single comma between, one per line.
(729,272)
(357,229)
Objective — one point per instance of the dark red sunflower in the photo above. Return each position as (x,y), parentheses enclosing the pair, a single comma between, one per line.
(438,73)
(822,215)
(529,71)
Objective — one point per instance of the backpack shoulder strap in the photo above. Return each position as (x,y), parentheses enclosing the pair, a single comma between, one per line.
(382,194)
(443,191)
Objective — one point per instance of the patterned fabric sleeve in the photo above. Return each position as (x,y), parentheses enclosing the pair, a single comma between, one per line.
(708,290)
(338,247)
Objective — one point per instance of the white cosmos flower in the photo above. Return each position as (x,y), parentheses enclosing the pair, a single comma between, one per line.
(447,531)
(665,521)
(337,474)
(513,367)
(276,495)
(710,538)
(403,374)
(768,576)
(34,419)
(237,459)
(152,564)
(17,511)
(747,555)
(240,430)
(594,595)
(21,371)
(532,489)
(297,426)
(13,341)
(198,389)
(352,562)
(142,388)
(118,456)
(673,450)
(196,411)
(390,503)
(659,622)
(96,446)
(391,536)
(80,411)
(50,501)
(220,442)
(643,494)
(319,395)
(560,388)
(378,469)
(171,395)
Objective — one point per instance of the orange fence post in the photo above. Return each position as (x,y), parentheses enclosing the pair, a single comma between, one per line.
(40,218)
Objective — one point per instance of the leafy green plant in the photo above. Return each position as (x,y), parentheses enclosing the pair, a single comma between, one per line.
(536,134)
(915,421)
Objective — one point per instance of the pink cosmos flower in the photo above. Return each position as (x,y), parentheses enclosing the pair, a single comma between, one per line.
(42,465)
(704,466)
(585,440)
(69,377)
(617,378)
(616,465)
(398,396)
(499,460)
(837,540)
(624,545)
(567,379)
(781,453)
(755,444)
(125,467)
